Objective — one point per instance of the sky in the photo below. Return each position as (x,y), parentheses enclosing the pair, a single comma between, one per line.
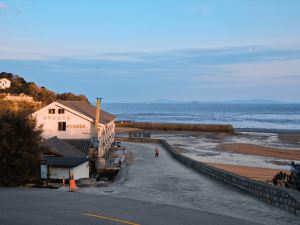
(141,51)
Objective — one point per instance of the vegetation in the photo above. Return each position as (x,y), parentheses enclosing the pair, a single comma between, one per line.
(20,149)
(19,106)
(40,94)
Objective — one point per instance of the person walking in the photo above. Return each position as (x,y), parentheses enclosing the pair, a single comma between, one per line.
(156,152)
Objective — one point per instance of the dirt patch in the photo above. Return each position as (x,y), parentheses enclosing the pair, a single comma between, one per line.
(251,149)
(254,173)
(290,138)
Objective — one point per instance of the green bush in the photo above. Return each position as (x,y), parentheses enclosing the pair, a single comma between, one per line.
(20,149)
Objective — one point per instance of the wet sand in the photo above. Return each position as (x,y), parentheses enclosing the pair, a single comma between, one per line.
(251,149)
(255,173)
(290,138)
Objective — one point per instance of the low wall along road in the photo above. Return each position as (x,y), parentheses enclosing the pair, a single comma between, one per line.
(282,198)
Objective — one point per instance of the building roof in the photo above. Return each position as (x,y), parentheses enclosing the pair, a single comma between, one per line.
(88,110)
(67,162)
(82,145)
(63,148)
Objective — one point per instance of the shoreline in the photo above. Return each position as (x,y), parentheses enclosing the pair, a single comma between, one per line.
(231,151)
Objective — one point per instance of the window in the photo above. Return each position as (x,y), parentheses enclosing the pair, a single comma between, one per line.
(51,111)
(62,126)
(61,111)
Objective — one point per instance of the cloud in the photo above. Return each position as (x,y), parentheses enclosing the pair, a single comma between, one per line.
(194,57)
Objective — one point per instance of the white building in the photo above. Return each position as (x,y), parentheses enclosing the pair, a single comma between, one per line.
(76,120)
(4,83)
(60,167)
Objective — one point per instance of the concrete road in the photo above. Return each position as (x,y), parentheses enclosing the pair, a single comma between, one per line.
(53,207)
(166,181)
(156,191)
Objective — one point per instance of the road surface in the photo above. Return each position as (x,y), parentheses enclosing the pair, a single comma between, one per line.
(167,181)
(154,191)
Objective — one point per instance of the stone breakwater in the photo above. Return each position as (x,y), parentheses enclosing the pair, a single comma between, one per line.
(220,128)
(282,198)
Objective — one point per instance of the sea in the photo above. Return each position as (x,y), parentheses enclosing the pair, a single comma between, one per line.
(241,116)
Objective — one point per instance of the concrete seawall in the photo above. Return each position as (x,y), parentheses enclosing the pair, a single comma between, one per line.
(282,198)
(221,128)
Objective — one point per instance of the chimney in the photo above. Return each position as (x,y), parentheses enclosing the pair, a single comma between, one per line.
(97,119)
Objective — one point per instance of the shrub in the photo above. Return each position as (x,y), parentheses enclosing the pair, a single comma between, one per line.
(20,149)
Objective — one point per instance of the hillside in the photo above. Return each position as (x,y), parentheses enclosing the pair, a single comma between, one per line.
(40,94)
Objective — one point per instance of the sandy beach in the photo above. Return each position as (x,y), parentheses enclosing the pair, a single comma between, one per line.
(255,173)
(251,149)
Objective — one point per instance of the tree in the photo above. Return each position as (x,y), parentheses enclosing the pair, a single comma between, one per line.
(20,149)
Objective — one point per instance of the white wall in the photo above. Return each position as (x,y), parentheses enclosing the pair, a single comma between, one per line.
(77,127)
(4,83)
(81,171)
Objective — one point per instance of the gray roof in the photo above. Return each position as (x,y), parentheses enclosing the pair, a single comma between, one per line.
(63,148)
(68,162)
(88,110)
(82,145)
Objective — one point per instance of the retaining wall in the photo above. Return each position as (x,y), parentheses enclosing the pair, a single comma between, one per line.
(282,198)
(221,128)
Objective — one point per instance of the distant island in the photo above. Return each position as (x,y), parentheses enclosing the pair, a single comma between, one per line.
(237,101)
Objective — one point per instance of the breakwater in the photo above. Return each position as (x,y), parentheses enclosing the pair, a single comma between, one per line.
(279,197)
(220,128)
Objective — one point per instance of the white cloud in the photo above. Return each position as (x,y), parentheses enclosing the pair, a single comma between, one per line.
(275,71)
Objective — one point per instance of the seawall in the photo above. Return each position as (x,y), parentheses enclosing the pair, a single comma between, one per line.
(279,197)
(220,128)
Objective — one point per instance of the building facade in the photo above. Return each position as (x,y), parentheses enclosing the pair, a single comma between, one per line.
(4,83)
(77,120)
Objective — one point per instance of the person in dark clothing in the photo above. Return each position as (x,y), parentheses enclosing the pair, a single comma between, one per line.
(157,152)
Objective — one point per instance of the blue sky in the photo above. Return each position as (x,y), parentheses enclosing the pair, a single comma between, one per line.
(129,51)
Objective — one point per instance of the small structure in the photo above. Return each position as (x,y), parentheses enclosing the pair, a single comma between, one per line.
(81,125)
(60,148)
(4,83)
(60,167)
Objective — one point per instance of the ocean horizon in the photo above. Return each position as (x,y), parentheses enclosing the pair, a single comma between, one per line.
(283,116)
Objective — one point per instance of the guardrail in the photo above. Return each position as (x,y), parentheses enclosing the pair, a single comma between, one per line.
(279,197)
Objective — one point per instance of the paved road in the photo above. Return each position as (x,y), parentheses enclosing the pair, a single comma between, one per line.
(166,181)
(149,191)
(53,207)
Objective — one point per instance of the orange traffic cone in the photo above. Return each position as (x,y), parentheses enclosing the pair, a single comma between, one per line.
(72,185)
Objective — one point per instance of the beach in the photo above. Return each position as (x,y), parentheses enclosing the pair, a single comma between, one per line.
(255,155)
